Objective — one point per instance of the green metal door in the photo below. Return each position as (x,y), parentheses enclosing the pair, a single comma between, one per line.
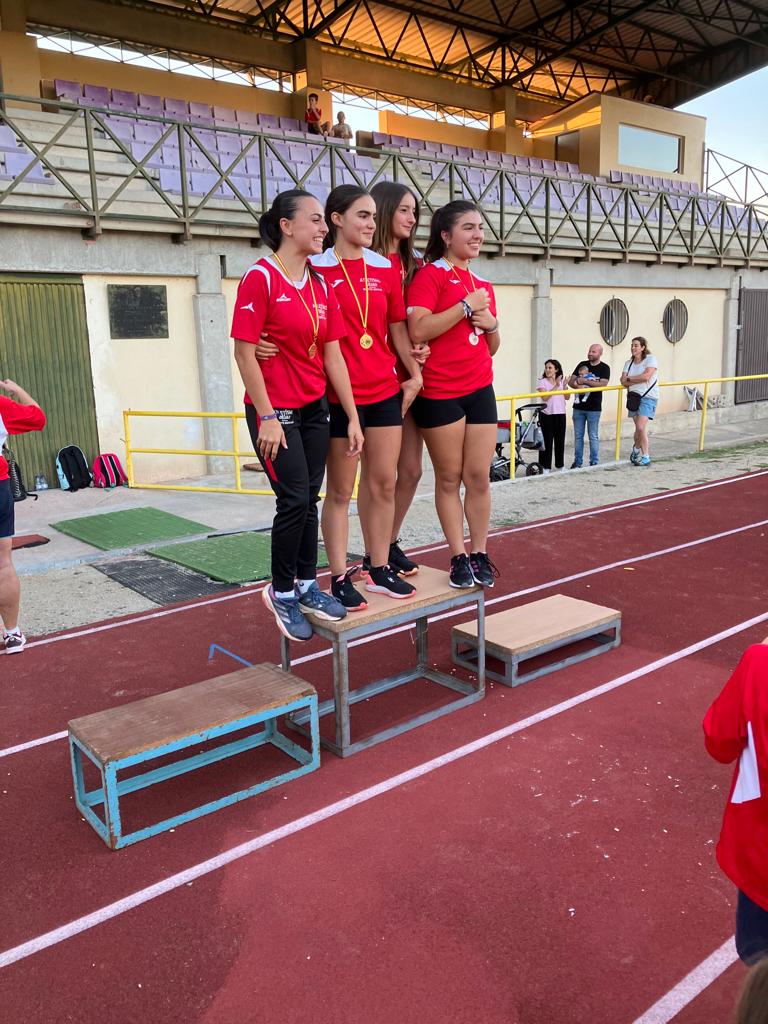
(44,348)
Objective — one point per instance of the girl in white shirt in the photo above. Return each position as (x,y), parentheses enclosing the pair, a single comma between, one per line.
(641,377)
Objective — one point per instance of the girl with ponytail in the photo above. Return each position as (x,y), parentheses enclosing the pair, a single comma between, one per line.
(285,405)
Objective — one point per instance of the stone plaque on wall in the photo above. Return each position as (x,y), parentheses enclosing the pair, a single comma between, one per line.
(137,310)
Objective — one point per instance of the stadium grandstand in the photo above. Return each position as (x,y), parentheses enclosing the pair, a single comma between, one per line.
(140,142)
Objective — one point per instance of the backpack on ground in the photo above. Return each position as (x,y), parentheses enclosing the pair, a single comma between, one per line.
(18,490)
(72,469)
(108,471)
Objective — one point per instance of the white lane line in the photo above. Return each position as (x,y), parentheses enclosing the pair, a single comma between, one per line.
(461,611)
(691,986)
(247,591)
(166,885)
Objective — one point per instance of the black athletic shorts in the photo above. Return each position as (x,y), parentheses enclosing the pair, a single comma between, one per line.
(385,413)
(6,509)
(477,407)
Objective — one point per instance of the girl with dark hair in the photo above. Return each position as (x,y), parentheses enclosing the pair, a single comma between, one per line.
(454,310)
(285,405)
(397,217)
(371,300)
(552,417)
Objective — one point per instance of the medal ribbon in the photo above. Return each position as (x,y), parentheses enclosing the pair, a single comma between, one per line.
(474,333)
(363,317)
(314,320)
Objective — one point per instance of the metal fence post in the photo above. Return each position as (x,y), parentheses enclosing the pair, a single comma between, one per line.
(128,451)
(704,404)
(619,410)
(236,450)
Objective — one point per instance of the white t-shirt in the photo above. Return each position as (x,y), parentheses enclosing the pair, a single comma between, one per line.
(635,369)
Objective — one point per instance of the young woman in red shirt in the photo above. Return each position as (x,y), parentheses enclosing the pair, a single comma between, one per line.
(370,296)
(397,218)
(285,404)
(454,310)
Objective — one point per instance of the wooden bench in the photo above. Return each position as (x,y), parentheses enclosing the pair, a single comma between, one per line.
(522,633)
(433,596)
(169,723)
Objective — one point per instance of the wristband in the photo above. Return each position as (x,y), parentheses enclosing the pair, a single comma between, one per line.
(467,309)
(269,416)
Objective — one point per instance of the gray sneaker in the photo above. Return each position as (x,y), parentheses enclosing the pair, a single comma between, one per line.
(316,602)
(288,616)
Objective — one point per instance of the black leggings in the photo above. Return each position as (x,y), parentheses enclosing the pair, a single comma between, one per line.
(296,476)
(553,429)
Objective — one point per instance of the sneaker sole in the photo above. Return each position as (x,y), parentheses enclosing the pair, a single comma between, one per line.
(289,636)
(354,607)
(461,586)
(373,588)
(15,650)
(321,615)
(479,583)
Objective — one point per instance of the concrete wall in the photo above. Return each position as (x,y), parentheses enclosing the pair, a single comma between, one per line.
(158,374)
(512,363)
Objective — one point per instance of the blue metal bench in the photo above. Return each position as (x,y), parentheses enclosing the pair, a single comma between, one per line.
(164,726)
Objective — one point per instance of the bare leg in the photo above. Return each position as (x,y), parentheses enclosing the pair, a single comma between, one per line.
(340,482)
(408,471)
(363,505)
(479,443)
(446,446)
(9,586)
(641,430)
(380,455)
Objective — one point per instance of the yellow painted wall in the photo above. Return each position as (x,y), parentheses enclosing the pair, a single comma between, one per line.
(691,128)
(229,289)
(157,373)
(91,71)
(512,363)
(575,315)
(19,65)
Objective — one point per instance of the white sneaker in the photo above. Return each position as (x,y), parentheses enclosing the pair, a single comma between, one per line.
(546,472)
(14,643)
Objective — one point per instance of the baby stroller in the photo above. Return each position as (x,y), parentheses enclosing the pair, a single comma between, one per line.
(528,437)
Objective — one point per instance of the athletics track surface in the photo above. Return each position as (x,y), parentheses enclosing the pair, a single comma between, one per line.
(542,857)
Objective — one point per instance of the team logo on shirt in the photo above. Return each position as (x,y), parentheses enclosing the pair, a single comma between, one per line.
(249,306)
(283,298)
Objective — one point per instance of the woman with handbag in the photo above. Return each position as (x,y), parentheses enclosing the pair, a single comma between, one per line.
(641,379)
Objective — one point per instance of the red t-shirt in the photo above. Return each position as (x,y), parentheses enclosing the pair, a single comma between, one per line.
(455,366)
(267,301)
(371,371)
(313,116)
(17,419)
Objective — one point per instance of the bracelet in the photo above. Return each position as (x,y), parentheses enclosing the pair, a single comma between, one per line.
(494,329)
(269,416)
(467,308)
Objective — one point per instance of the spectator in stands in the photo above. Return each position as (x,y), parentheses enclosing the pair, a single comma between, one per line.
(736,727)
(285,405)
(552,418)
(371,301)
(19,414)
(753,1001)
(454,310)
(587,410)
(397,218)
(314,117)
(641,378)
(341,130)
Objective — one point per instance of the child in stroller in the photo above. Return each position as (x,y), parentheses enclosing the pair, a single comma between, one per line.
(528,437)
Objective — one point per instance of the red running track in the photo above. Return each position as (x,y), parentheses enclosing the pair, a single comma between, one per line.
(564,872)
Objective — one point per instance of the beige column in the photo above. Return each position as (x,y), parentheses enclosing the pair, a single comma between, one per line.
(309,78)
(19,58)
(505,135)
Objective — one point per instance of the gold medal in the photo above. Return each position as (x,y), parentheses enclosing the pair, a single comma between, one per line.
(366,341)
(312,350)
(314,320)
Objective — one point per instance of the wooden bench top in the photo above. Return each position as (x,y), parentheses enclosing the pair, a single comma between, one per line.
(145,724)
(522,629)
(431,586)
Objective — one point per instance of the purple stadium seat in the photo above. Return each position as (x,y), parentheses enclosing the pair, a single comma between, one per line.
(447,149)
(572,168)
(177,109)
(535,163)
(123,127)
(379,139)
(492,156)
(96,95)
(253,166)
(170,179)
(362,163)
(201,182)
(8,141)
(549,166)
(15,164)
(247,119)
(143,132)
(269,121)
(464,152)
(67,90)
(432,147)
(140,150)
(125,100)
(228,142)
(479,154)
(561,166)
(150,104)
(399,141)
(200,112)
(224,114)
(289,124)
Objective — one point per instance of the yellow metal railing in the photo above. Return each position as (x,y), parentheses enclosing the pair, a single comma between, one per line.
(235,417)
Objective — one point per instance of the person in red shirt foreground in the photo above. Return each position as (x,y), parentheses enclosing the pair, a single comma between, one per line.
(19,414)
(736,726)
(454,310)
(370,296)
(285,404)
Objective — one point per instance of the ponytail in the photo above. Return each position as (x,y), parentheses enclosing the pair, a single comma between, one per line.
(284,207)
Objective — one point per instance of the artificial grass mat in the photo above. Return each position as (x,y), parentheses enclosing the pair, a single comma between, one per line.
(238,558)
(129,528)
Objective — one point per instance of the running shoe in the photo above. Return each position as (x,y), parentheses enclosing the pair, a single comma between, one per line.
(384,580)
(400,562)
(365,568)
(461,573)
(317,602)
(645,461)
(14,643)
(345,593)
(288,616)
(484,572)
(635,456)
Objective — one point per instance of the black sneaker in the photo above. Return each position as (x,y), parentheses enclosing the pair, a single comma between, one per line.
(461,573)
(384,580)
(288,616)
(14,643)
(484,572)
(365,568)
(400,562)
(343,591)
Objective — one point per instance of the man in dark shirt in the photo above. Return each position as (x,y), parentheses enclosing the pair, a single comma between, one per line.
(587,408)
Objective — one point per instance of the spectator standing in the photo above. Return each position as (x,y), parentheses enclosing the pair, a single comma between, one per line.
(19,414)
(736,727)
(641,378)
(341,130)
(552,417)
(588,408)
(314,117)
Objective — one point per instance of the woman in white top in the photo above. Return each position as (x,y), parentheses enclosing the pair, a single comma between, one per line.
(641,377)
(552,416)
